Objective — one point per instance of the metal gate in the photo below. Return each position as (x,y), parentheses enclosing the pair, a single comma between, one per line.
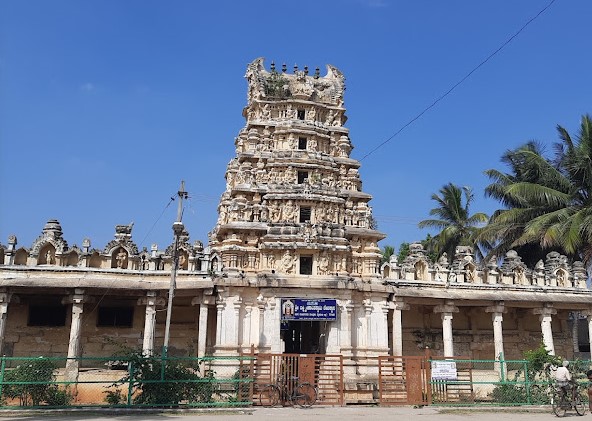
(325,372)
(404,380)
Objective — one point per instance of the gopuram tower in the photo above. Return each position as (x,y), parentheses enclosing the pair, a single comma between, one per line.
(294,204)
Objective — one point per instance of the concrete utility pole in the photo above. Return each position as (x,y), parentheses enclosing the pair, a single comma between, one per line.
(177,230)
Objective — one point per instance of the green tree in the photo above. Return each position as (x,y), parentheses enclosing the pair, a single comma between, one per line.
(387,252)
(457,226)
(548,201)
(403,252)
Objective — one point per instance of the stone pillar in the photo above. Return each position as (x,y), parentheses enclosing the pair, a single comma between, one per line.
(5,297)
(72,364)
(202,323)
(271,326)
(331,338)
(363,331)
(345,332)
(398,307)
(446,310)
(228,322)
(497,316)
(150,301)
(345,327)
(247,322)
(219,309)
(588,315)
(545,317)
(261,325)
(589,319)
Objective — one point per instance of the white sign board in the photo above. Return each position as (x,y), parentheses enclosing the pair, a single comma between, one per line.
(444,370)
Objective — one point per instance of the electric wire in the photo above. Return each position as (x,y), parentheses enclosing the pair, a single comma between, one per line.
(441,97)
(110,285)
(171,200)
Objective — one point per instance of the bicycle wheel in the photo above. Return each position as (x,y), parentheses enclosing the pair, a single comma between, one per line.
(579,406)
(559,404)
(305,395)
(270,395)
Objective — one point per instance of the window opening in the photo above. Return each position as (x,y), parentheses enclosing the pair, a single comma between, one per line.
(301,114)
(302,175)
(305,212)
(302,141)
(47,315)
(306,265)
(115,317)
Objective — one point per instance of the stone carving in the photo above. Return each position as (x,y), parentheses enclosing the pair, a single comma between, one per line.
(121,259)
(262,180)
(323,266)
(289,212)
(287,262)
(330,117)
(123,238)
(274,212)
(49,257)
(51,234)
(266,112)
(562,278)
(271,261)
(519,276)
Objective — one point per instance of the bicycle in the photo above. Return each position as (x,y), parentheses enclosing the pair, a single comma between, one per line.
(301,394)
(561,402)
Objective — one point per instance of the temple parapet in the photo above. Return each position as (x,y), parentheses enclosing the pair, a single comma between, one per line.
(50,250)
(555,271)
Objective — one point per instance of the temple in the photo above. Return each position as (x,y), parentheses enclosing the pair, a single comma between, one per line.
(291,266)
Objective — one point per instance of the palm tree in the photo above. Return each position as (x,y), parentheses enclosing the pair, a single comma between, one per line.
(548,202)
(457,226)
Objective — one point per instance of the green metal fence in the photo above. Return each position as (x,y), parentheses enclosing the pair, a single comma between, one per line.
(133,381)
(137,381)
(503,383)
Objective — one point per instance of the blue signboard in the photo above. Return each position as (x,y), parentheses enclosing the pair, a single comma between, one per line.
(302,309)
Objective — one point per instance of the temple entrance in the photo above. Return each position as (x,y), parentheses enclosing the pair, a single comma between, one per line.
(303,337)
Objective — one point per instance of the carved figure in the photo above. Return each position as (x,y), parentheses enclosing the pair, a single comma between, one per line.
(323,263)
(330,117)
(519,277)
(274,213)
(289,211)
(49,257)
(561,281)
(290,112)
(469,273)
(121,259)
(287,262)
(337,121)
(290,175)
(223,214)
(271,261)
(266,112)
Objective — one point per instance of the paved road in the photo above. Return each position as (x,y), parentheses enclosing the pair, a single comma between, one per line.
(316,413)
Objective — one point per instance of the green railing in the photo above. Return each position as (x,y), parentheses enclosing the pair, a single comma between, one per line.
(136,381)
(125,382)
(503,383)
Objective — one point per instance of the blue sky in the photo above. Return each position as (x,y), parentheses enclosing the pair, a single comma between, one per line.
(106,105)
